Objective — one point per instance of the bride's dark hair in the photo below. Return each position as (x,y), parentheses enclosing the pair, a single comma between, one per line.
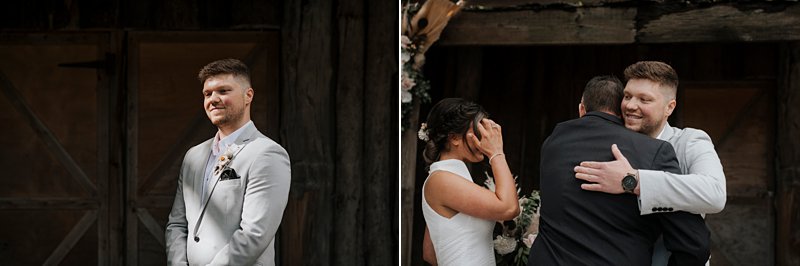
(450,116)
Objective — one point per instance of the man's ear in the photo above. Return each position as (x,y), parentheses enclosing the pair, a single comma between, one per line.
(581,110)
(249,95)
(670,107)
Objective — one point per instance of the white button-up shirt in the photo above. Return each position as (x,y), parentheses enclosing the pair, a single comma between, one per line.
(218,146)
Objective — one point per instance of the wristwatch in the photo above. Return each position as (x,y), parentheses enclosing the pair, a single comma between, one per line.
(629,183)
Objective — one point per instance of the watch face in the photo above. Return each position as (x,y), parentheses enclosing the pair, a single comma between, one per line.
(628,182)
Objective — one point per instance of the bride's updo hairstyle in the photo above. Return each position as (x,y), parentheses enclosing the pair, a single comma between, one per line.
(450,117)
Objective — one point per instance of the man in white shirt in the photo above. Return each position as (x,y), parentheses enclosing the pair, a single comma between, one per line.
(649,99)
(232,188)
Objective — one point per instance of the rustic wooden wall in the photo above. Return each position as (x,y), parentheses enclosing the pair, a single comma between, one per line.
(336,105)
(145,14)
(788,158)
(49,143)
(726,89)
(337,92)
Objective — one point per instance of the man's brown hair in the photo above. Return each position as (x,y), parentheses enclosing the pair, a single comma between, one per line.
(603,93)
(222,67)
(658,72)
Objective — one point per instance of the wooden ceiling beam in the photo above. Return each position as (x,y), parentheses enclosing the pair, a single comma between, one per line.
(520,23)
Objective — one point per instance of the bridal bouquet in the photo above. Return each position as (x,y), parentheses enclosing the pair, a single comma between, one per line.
(513,243)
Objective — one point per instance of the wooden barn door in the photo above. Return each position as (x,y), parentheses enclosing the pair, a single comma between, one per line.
(55,100)
(165,118)
(739,116)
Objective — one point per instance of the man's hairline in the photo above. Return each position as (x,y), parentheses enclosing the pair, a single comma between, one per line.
(673,91)
(239,78)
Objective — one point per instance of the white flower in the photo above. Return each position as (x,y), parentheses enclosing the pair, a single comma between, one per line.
(504,245)
(528,240)
(405,96)
(523,201)
(405,56)
(489,182)
(422,134)
(405,41)
(224,161)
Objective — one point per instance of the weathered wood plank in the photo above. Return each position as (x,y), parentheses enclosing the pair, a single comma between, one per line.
(45,135)
(788,158)
(307,126)
(48,38)
(512,24)
(116,202)
(150,223)
(132,153)
(381,127)
(72,238)
(48,203)
(600,25)
(151,201)
(520,4)
(408,155)
(719,23)
(348,193)
(104,78)
(272,90)
(183,142)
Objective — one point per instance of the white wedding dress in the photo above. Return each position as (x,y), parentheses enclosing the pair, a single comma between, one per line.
(461,239)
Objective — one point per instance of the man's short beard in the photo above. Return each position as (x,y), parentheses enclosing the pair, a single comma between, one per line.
(650,128)
(229,118)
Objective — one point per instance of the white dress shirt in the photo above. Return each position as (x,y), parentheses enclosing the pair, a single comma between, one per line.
(218,146)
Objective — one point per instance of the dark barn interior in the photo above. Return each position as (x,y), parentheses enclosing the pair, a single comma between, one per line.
(100,101)
(526,63)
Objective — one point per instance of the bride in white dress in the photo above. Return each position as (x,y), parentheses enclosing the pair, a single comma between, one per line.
(459,214)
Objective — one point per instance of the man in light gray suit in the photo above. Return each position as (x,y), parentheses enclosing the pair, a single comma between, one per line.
(649,99)
(232,188)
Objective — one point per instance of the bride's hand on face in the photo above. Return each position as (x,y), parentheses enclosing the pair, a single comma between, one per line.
(491,141)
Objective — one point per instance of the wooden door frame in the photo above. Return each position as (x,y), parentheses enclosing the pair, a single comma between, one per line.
(96,203)
(135,206)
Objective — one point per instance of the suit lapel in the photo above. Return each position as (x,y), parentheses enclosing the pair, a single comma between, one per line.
(668,133)
(200,164)
(247,135)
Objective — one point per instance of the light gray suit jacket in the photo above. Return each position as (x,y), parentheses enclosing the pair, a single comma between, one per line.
(242,216)
(701,187)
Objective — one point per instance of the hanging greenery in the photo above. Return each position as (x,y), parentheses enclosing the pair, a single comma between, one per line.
(422,25)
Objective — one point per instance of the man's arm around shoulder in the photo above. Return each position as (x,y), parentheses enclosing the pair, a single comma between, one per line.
(700,190)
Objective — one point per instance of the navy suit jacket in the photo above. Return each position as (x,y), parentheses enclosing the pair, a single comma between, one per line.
(580,227)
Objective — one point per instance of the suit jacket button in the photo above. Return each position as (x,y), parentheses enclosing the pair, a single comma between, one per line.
(196,239)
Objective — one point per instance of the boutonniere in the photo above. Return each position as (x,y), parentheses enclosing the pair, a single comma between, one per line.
(223,169)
